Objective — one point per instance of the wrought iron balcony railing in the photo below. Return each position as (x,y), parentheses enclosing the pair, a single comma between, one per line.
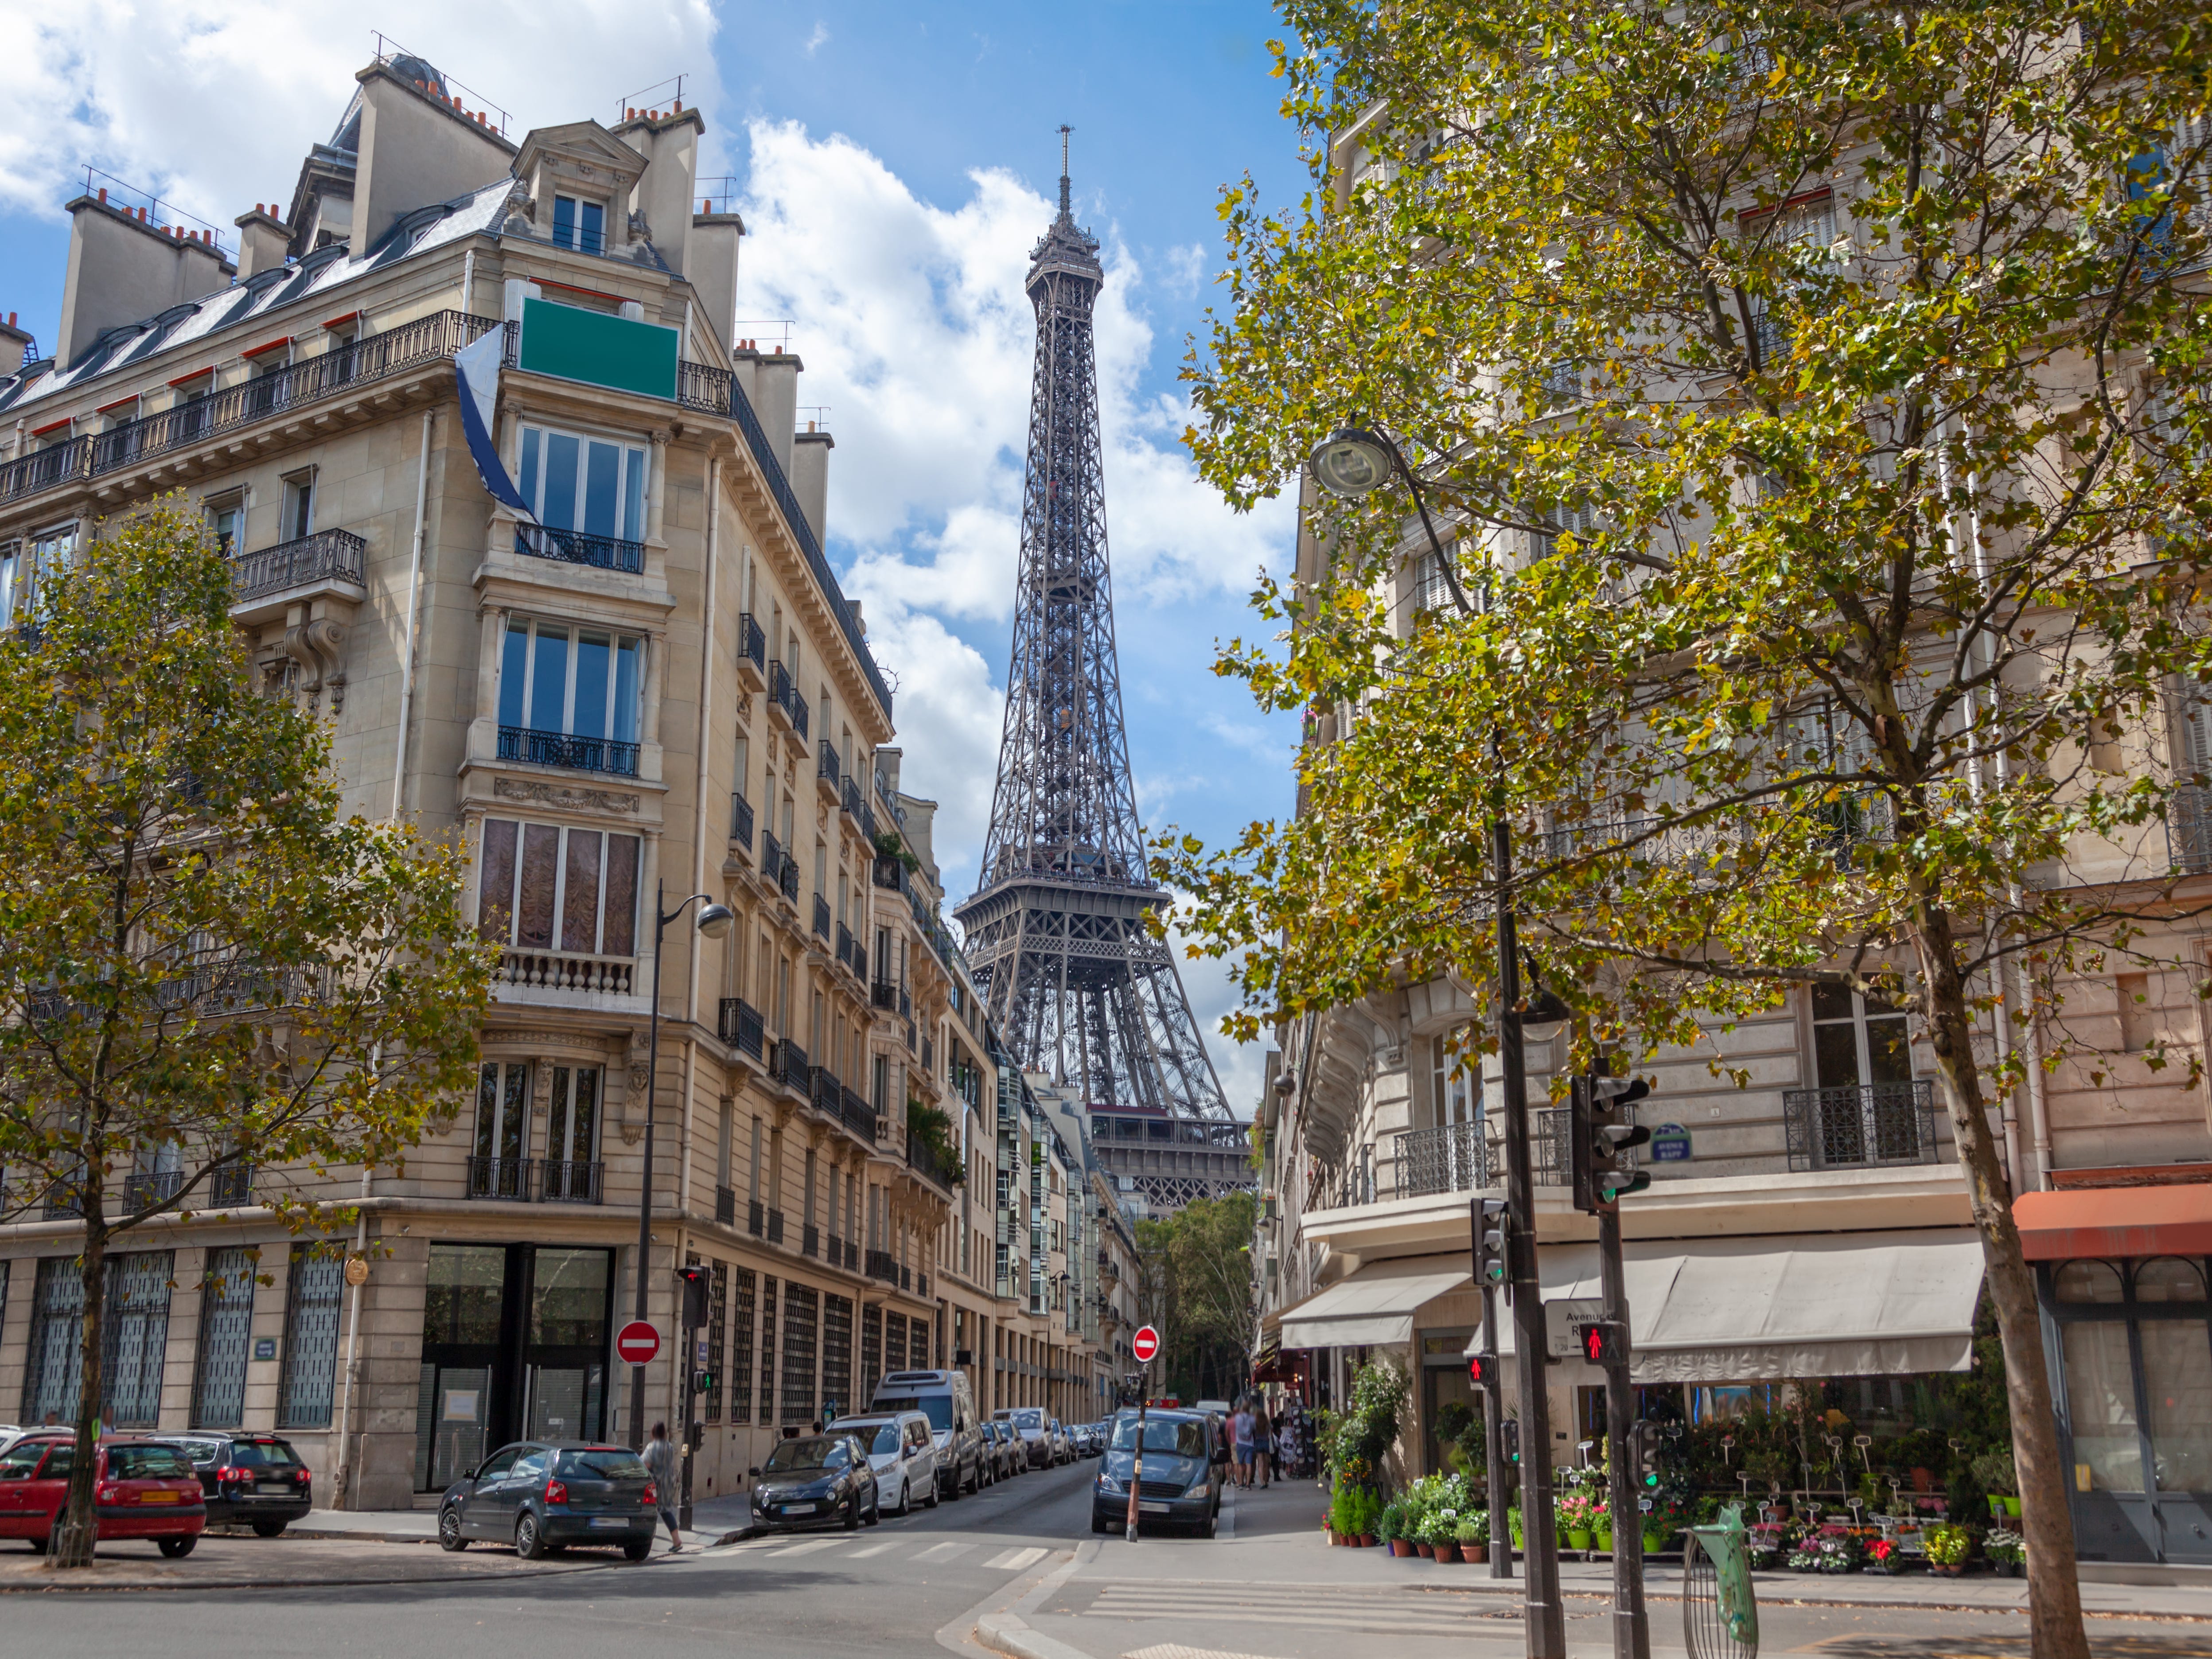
(231,1188)
(741,822)
(821,915)
(740,1026)
(756,1217)
(788,1066)
(538,541)
(884,996)
(859,1116)
(1452,1157)
(326,555)
(144,1189)
(500,1177)
(569,1181)
(752,644)
(922,1158)
(726,1206)
(825,762)
(883,1265)
(810,1239)
(775,1226)
(373,358)
(823,1088)
(787,696)
(1860,1126)
(848,948)
(578,754)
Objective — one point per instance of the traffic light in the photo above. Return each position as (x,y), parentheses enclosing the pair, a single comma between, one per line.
(1643,1441)
(703,1381)
(1605,1342)
(1490,1228)
(694,1296)
(1599,1140)
(1482,1370)
(1508,1436)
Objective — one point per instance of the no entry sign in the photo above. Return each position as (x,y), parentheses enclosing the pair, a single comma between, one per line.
(636,1343)
(1147,1344)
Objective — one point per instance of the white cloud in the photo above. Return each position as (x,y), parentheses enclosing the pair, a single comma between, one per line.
(819,38)
(212,104)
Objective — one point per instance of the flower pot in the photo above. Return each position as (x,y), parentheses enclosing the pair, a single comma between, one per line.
(1426,1552)
(1367,1541)
(1950,1571)
(1398,1547)
(2012,1507)
(1577,1540)
(1474,1555)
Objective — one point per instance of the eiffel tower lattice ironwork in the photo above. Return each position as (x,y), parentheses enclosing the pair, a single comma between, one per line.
(1056,932)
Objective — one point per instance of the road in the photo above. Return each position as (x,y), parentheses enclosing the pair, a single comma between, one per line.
(1021,1556)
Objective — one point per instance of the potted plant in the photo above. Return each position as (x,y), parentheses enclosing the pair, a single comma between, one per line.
(1440,1532)
(1391,1528)
(1472,1537)
(1948,1548)
(1577,1515)
(1994,1473)
(2008,1551)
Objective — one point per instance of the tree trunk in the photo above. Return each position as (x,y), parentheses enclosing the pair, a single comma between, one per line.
(2054,1591)
(79,1530)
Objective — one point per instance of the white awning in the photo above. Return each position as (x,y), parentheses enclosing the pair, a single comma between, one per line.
(1753,1310)
(1375,1307)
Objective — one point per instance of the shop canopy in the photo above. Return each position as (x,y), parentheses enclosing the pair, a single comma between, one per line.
(2115,1221)
(1771,1308)
(1375,1307)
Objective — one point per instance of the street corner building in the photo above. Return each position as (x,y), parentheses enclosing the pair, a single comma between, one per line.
(1808,1238)
(519,512)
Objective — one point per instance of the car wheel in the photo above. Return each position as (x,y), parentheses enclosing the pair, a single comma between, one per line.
(270,1529)
(528,1541)
(637,1549)
(38,1545)
(176,1548)
(906,1501)
(1099,1523)
(449,1529)
(876,1511)
(930,1502)
(1212,1525)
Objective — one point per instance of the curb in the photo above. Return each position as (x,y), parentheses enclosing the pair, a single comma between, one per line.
(1008,1633)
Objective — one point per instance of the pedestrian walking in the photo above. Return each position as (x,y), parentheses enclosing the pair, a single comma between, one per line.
(1263,1446)
(665,1465)
(1240,1435)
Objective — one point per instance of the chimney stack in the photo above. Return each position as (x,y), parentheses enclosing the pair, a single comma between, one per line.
(262,239)
(15,346)
(810,477)
(122,269)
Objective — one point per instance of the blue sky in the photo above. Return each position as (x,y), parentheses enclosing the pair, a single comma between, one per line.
(893,163)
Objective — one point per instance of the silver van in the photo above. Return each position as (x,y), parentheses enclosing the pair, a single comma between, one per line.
(946,1399)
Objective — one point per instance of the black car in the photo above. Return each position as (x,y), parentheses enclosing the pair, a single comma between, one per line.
(1182,1480)
(254,1480)
(541,1496)
(816,1481)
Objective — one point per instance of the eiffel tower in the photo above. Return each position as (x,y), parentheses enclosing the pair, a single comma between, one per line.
(1056,931)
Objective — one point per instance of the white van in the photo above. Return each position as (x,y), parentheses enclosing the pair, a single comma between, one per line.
(946,1399)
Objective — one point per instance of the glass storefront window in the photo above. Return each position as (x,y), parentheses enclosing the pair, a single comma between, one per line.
(2089,1282)
(462,1299)
(2178,1384)
(568,1298)
(2101,1392)
(2169,1278)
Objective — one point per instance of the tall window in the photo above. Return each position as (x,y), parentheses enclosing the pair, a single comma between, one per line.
(577,482)
(741,1346)
(502,1129)
(227,525)
(718,1316)
(801,1316)
(572,1131)
(299,507)
(226,1335)
(768,1350)
(550,889)
(22,564)
(580,224)
(136,1337)
(309,1379)
(579,681)
(1856,1040)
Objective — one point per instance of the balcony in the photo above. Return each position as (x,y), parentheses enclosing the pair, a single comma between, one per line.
(890,873)
(785,701)
(328,555)
(787,1065)
(231,1188)
(569,970)
(500,1177)
(859,1116)
(825,1091)
(1452,1157)
(775,1226)
(848,951)
(741,825)
(779,867)
(538,541)
(726,1206)
(923,1161)
(576,753)
(740,1026)
(810,1239)
(821,915)
(569,1180)
(826,772)
(884,995)
(1861,1126)
(143,1189)
(755,1217)
(883,1265)
(835,1253)
(409,346)
(752,653)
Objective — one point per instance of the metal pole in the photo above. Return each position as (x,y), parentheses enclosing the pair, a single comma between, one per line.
(1631,1631)
(1137,1463)
(689,1357)
(1493,1434)
(1547,1626)
(645,1180)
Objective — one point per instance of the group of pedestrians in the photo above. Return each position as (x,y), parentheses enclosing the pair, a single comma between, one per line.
(1251,1443)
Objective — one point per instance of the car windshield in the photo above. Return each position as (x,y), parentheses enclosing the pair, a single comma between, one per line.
(1184,1437)
(882,1438)
(807,1454)
(937,1408)
(147,1463)
(1026,1419)
(17,1462)
(263,1454)
(604,1463)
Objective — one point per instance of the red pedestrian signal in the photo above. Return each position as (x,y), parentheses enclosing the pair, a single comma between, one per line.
(1481,1368)
(1605,1342)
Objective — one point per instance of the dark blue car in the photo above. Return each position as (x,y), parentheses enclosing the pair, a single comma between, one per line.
(1182,1481)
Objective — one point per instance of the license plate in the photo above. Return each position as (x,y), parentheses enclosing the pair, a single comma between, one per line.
(608,1521)
(157,1498)
(273,1488)
(801,1509)
(1148,1507)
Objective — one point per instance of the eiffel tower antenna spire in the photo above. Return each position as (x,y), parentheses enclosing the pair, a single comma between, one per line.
(1056,931)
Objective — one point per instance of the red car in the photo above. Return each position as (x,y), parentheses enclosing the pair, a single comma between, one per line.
(141,1490)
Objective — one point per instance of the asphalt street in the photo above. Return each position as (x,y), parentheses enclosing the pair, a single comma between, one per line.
(1019,1559)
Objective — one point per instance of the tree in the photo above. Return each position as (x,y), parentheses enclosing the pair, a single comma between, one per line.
(1816,395)
(1196,1267)
(209,976)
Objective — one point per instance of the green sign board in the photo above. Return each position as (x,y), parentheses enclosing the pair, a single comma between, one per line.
(598,350)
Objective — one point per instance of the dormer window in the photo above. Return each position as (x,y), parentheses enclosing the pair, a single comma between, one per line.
(580,224)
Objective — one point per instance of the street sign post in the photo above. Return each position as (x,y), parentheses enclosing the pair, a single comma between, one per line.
(638,1343)
(1146,1345)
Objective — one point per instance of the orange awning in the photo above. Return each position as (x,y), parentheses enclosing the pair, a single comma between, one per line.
(2115,1221)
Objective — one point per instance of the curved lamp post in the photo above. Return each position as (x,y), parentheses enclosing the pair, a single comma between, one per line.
(1353,462)
(712,921)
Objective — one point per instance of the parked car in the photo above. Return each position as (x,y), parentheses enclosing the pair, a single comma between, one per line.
(818,1481)
(947,1400)
(143,1489)
(1090,1439)
(901,1453)
(1028,1422)
(543,1496)
(1182,1482)
(1007,1457)
(249,1480)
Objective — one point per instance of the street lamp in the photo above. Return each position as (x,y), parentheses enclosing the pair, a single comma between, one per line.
(712,921)
(1353,462)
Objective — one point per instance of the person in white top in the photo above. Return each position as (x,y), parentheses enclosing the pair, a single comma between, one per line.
(1240,1437)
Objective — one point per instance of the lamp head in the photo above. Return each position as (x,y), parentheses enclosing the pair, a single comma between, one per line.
(1351,462)
(715,921)
(1541,1020)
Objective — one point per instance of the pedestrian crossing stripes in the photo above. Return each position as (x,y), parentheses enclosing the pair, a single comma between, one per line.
(845,1547)
(1388,1613)
(1017,1560)
(942,1552)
